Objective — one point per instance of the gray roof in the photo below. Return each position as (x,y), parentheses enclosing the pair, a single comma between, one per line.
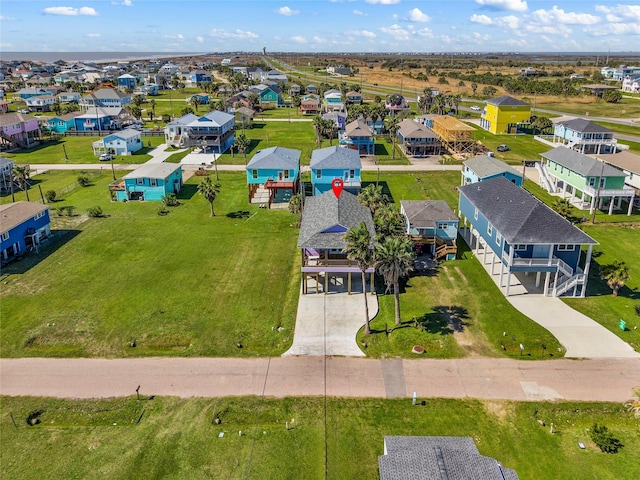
(358,128)
(325,211)
(581,164)
(584,126)
(451,458)
(412,129)
(104,93)
(506,100)
(425,213)
(14,214)
(124,134)
(335,157)
(485,166)
(277,158)
(519,216)
(153,170)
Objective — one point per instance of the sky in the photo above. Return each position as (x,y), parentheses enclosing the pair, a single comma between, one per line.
(319,26)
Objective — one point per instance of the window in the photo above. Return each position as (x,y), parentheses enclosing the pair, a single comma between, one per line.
(39,215)
(5,236)
(286,174)
(441,226)
(318,173)
(352,173)
(254,174)
(489,229)
(475,214)
(566,248)
(139,181)
(519,247)
(153,182)
(498,238)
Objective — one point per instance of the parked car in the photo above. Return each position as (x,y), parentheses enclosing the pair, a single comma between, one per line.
(23,110)
(105,157)
(475,108)
(503,148)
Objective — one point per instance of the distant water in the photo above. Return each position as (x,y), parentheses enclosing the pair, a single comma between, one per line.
(90,56)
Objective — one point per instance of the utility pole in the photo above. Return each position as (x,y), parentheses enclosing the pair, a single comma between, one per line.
(597,199)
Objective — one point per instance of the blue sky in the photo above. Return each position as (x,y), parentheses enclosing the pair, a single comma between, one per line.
(319,25)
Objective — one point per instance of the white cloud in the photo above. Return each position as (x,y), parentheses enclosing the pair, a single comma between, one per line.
(512,5)
(179,36)
(360,13)
(478,37)
(558,15)
(481,19)
(425,33)
(620,12)
(125,3)
(614,29)
(361,33)
(508,21)
(236,34)
(416,15)
(382,2)
(396,31)
(287,12)
(299,39)
(93,35)
(200,39)
(6,19)
(70,11)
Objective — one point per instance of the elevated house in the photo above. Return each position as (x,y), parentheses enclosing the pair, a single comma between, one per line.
(325,221)
(106,97)
(586,181)
(332,101)
(524,236)
(202,98)
(631,83)
(629,163)
(125,142)
(483,167)
(127,82)
(456,136)
(505,114)
(62,123)
(213,132)
(310,105)
(273,176)
(244,117)
(354,98)
(40,103)
(294,90)
(338,118)
(24,226)
(18,130)
(395,103)
(432,227)
(358,136)
(150,89)
(6,174)
(584,136)
(330,163)
(269,95)
(151,181)
(311,89)
(69,97)
(446,458)
(25,93)
(417,140)
(99,119)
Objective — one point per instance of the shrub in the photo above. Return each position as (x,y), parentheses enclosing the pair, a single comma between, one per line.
(637,309)
(68,210)
(84,181)
(604,439)
(170,200)
(95,212)
(60,211)
(50,195)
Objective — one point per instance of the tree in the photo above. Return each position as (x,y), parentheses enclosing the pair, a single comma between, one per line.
(242,144)
(474,87)
(393,260)
(329,129)
(562,207)
(21,178)
(392,124)
(440,101)
(209,191)
(388,221)
(615,274)
(254,101)
(489,91)
(195,101)
(542,124)
(372,197)
(186,111)
(295,206)
(134,110)
(318,125)
(138,100)
(56,108)
(359,249)
(612,96)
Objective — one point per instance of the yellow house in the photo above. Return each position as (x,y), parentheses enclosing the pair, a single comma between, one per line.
(504,115)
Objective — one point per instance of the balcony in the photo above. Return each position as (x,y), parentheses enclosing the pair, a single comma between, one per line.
(608,192)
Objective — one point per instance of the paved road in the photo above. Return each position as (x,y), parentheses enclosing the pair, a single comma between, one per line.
(484,378)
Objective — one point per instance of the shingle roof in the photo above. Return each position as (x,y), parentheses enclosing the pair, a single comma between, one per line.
(506,100)
(425,213)
(13,214)
(625,160)
(451,458)
(13,118)
(412,129)
(581,164)
(358,128)
(325,211)
(107,93)
(485,166)
(100,112)
(335,157)
(584,126)
(124,134)
(66,116)
(153,170)
(519,216)
(276,158)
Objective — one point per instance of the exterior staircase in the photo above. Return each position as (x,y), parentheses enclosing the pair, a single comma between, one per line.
(261,196)
(445,248)
(545,181)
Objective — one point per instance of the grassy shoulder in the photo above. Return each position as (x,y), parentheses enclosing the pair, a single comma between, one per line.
(175,437)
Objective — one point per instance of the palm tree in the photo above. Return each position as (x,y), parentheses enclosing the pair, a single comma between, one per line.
(152,103)
(474,87)
(616,274)
(440,101)
(21,177)
(394,259)
(242,144)
(209,191)
(195,102)
(562,207)
(318,124)
(388,221)
(372,197)
(392,124)
(360,250)
(295,206)
(56,107)
(329,130)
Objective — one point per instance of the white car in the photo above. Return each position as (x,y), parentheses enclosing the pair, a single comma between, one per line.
(476,108)
(105,157)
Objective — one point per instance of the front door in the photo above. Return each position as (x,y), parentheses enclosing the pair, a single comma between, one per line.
(280,176)
(540,251)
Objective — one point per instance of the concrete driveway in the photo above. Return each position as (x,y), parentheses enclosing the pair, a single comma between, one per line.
(327,324)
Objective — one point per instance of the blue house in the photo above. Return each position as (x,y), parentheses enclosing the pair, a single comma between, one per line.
(432,227)
(273,175)
(213,132)
(203,98)
(330,163)
(198,76)
(97,119)
(127,81)
(484,167)
(150,89)
(63,123)
(585,136)
(151,181)
(339,118)
(358,136)
(524,236)
(24,225)
(25,93)
(124,142)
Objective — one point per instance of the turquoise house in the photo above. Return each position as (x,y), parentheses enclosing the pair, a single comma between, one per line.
(273,175)
(483,167)
(432,227)
(151,181)
(358,136)
(62,123)
(330,163)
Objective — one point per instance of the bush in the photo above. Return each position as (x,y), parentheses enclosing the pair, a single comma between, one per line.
(84,181)
(68,210)
(50,195)
(604,439)
(95,212)
(170,200)
(637,309)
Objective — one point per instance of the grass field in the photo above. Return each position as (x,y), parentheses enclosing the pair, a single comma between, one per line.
(591,106)
(180,284)
(339,439)
(522,147)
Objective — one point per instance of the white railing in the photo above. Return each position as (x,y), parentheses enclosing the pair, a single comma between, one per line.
(562,287)
(606,192)
(544,177)
(540,262)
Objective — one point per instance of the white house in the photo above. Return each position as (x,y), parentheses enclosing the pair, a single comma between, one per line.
(124,142)
(631,84)
(41,103)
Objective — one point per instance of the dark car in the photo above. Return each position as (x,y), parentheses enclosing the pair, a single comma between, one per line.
(503,148)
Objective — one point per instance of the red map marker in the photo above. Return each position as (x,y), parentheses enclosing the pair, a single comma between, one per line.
(337,186)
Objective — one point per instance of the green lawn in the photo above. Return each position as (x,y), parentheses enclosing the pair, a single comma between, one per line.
(522,147)
(620,128)
(78,150)
(333,438)
(181,284)
(626,108)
